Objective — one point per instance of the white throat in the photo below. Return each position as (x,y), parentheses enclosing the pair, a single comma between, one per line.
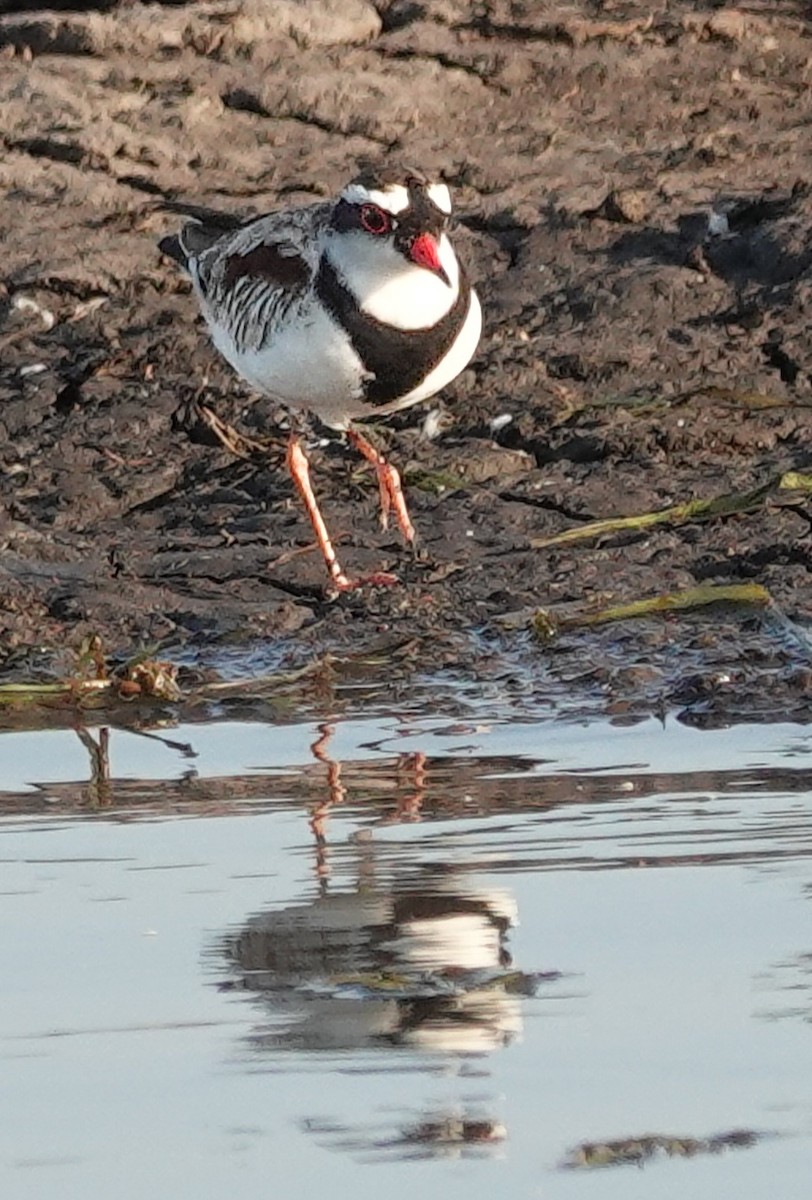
(392,290)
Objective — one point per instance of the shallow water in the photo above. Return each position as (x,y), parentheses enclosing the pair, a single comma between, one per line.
(404,951)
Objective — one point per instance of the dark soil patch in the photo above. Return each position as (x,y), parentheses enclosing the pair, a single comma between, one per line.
(634,198)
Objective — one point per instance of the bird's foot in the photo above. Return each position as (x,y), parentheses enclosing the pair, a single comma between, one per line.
(389,485)
(392,498)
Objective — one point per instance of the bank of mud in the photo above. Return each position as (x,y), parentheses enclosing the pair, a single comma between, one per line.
(633,194)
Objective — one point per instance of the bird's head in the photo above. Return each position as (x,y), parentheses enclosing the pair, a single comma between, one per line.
(389,240)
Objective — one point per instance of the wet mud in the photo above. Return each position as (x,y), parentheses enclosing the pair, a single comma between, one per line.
(633,191)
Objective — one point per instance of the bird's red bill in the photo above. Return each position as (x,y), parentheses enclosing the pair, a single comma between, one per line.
(426,252)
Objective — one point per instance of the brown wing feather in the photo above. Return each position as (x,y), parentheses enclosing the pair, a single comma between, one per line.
(270,262)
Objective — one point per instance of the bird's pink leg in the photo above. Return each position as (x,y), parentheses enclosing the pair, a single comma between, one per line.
(388,483)
(300,473)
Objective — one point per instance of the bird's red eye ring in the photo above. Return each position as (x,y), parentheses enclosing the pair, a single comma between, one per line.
(374,219)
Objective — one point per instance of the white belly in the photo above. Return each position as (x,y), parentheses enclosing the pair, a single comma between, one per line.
(308,363)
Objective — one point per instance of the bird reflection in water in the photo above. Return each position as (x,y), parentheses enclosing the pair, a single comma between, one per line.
(419,960)
(387,955)
(395,958)
(410,957)
(412,766)
(394,954)
(99,789)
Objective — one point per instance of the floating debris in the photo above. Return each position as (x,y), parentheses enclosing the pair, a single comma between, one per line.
(547,624)
(639,1150)
(152,678)
(729,505)
(94,682)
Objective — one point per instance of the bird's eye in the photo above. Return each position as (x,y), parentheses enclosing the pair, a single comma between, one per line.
(374,219)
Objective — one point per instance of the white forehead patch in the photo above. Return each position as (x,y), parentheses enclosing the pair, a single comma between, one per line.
(393,199)
(440,195)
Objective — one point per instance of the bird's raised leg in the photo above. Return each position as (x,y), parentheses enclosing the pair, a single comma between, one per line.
(299,468)
(388,483)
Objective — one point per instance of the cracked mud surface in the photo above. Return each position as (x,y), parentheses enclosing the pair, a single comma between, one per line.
(643,358)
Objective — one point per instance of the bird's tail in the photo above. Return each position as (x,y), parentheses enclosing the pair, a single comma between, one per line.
(172,247)
(206,226)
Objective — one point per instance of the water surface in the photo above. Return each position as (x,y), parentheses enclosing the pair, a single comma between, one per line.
(398,951)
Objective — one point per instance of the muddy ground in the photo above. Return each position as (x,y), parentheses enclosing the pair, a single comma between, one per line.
(633,190)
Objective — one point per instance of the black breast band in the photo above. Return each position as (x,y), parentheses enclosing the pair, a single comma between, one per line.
(397,359)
